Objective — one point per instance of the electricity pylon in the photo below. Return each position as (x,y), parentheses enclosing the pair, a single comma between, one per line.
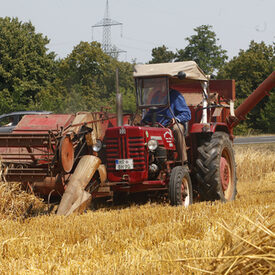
(106,23)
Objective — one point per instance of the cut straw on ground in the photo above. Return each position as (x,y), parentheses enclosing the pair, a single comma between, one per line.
(206,238)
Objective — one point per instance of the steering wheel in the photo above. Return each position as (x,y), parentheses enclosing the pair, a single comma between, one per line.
(161,115)
(167,117)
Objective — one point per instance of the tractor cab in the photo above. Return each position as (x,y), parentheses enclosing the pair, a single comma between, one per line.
(155,81)
(152,96)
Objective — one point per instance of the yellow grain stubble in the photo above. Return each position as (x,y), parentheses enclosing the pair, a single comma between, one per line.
(149,239)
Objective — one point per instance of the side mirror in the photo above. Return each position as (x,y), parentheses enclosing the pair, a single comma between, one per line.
(181,75)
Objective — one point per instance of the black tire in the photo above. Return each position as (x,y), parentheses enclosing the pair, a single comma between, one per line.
(216,169)
(180,187)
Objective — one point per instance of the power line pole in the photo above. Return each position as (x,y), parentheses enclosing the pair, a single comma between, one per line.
(106,23)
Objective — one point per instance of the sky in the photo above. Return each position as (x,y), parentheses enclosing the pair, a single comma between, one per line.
(146,23)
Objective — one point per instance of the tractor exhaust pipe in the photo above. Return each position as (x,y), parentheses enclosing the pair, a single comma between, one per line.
(75,196)
(253,100)
(118,103)
(119,110)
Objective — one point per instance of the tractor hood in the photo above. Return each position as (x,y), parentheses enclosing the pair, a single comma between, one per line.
(190,68)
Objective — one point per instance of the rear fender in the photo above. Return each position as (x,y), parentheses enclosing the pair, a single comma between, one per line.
(208,128)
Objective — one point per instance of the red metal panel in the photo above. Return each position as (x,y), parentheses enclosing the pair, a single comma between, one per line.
(206,128)
(188,86)
(128,143)
(37,123)
(225,88)
(112,122)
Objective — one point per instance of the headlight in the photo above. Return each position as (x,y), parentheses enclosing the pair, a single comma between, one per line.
(97,146)
(152,144)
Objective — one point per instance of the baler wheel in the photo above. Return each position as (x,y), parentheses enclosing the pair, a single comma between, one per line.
(216,169)
(180,187)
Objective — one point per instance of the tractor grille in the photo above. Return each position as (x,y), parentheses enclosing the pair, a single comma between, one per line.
(124,147)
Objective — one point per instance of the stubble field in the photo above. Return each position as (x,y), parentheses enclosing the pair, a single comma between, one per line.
(207,238)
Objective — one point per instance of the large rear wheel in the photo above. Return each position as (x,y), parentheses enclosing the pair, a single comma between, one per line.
(180,187)
(216,169)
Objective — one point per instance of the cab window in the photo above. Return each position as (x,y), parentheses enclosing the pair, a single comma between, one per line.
(152,92)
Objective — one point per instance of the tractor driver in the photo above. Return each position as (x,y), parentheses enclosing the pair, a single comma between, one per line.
(173,117)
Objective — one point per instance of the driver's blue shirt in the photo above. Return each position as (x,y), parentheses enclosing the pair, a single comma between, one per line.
(178,106)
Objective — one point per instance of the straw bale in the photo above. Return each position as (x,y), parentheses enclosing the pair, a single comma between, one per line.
(17,203)
(252,253)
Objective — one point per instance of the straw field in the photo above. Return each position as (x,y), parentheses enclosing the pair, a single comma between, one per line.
(232,238)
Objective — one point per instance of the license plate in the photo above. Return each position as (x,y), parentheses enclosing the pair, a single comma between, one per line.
(124,164)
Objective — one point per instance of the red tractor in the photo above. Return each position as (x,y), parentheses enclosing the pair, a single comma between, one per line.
(141,158)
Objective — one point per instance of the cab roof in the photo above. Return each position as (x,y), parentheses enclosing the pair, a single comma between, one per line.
(190,68)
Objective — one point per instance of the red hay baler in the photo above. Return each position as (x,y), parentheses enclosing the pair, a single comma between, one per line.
(43,151)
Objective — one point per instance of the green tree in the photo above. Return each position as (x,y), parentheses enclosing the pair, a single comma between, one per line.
(126,85)
(26,67)
(52,98)
(203,49)
(161,55)
(268,114)
(82,75)
(88,79)
(249,69)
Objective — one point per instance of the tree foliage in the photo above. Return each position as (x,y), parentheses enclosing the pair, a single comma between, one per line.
(86,80)
(268,114)
(203,49)
(31,78)
(162,55)
(26,67)
(249,69)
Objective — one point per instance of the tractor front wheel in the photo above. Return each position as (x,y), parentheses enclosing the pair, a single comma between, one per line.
(180,187)
(216,169)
